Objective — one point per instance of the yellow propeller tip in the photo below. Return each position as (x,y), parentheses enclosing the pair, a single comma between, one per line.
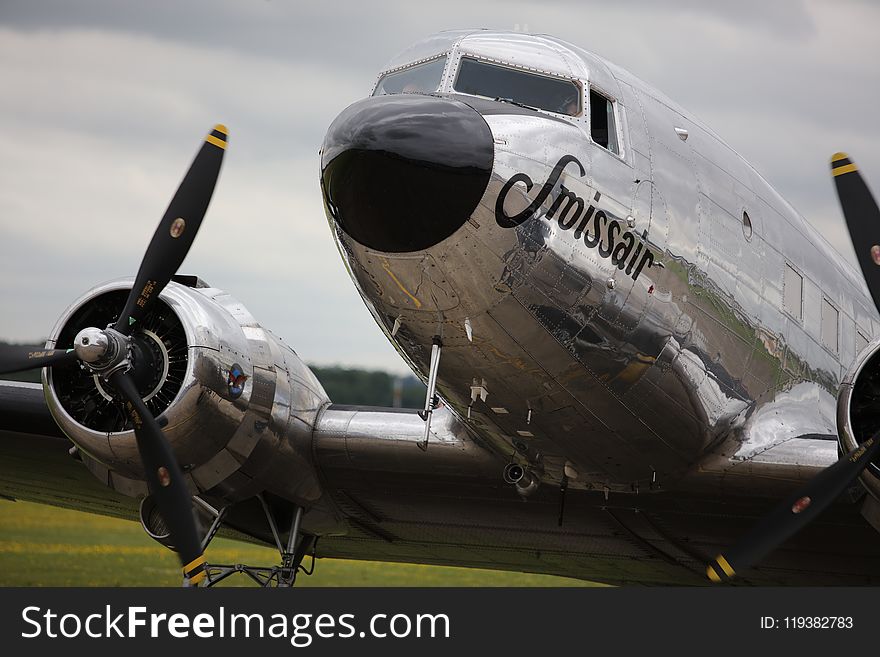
(712,575)
(839,156)
(217,136)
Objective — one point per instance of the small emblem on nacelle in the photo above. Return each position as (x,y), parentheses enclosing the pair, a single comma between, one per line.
(235,380)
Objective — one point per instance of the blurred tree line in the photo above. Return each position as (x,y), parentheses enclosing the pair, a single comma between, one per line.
(370,387)
(344,385)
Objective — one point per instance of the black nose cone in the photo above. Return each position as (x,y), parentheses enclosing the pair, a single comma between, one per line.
(401,173)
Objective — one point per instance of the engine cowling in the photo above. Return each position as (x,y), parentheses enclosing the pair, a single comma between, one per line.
(238,406)
(858,409)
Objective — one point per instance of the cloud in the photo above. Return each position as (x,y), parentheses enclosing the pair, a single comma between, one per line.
(105,104)
(99,132)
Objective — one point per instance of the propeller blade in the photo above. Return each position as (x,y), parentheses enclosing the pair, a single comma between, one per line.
(176,231)
(862,219)
(165,480)
(786,519)
(14,358)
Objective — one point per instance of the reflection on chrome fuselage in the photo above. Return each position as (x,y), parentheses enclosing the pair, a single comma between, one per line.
(620,315)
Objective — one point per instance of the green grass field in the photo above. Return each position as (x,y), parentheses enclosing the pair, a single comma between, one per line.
(46,546)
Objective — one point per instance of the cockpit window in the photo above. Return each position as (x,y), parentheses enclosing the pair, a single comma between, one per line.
(544,92)
(602,126)
(421,78)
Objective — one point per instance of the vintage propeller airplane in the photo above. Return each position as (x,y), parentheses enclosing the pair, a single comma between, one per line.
(639,347)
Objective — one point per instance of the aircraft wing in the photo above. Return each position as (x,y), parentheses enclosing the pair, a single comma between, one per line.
(35,460)
(451,506)
(447,506)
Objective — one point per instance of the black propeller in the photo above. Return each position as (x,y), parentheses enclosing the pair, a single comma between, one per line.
(164,479)
(16,358)
(863,221)
(106,352)
(176,231)
(795,513)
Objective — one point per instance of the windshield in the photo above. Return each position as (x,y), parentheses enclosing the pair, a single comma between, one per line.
(421,78)
(479,78)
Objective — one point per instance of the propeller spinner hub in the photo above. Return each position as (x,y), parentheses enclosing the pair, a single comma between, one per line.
(103,351)
(91,345)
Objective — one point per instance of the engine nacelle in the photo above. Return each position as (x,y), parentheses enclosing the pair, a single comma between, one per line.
(237,405)
(858,409)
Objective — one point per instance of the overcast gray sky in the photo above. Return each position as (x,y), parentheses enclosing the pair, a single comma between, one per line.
(104,103)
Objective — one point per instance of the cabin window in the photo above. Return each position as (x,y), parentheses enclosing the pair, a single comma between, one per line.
(603,128)
(793,292)
(830,321)
(861,341)
(421,78)
(479,78)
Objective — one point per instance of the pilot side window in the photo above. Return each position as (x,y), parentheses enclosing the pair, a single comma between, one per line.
(603,128)
(793,293)
(545,92)
(830,321)
(421,78)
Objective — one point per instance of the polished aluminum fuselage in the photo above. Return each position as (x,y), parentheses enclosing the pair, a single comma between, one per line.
(684,372)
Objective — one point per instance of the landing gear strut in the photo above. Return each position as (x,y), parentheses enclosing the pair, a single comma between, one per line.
(292,552)
(431,399)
